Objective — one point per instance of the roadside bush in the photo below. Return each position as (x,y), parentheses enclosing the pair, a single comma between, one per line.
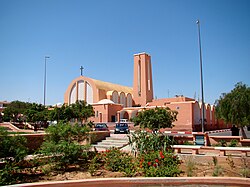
(62,145)
(160,164)
(12,152)
(114,160)
(144,142)
(233,143)
(12,147)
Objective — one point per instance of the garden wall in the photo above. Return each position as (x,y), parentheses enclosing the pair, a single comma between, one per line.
(34,141)
(98,136)
(213,140)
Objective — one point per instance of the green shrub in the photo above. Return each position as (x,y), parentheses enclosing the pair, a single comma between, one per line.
(8,174)
(62,145)
(114,160)
(160,164)
(67,132)
(233,143)
(12,147)
(218,170)
(144,142)
(12,151)
(245,170)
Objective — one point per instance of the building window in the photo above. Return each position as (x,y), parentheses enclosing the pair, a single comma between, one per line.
(97,113)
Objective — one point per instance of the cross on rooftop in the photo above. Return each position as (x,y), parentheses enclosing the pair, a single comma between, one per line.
(81,68)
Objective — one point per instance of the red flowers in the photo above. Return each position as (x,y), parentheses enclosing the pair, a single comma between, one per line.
(156,160)
(161,155)
(149,163)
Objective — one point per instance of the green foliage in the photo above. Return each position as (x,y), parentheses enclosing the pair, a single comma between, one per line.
(8,174)
(79,110)
(62,144)
(245,170)
(82,111)
(12,152)
(12,147)
(67,132)
(218,170)
(234,107)
(36,113)
(233,143)
(187,143)
(14,110)
(144,142)
(160,164)
(223,143)
(156,118)
(64,114)
(114,160)
(65,153)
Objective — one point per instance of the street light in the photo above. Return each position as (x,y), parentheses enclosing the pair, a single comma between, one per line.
(44,89)
(202,93)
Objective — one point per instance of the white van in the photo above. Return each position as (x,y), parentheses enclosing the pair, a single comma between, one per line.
(123,120)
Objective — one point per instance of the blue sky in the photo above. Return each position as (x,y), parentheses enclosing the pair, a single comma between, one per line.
(103,35)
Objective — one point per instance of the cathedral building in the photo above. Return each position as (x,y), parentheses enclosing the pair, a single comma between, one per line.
(112,102)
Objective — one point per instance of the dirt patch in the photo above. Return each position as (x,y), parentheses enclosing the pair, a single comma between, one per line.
(201,166)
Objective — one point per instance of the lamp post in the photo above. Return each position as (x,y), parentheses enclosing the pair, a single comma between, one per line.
(201,75)
(44,89)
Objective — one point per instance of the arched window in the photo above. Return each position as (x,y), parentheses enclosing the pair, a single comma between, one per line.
(72,96)
(81,90)
(129,100)
(89,93)
(123,99)
(115,96)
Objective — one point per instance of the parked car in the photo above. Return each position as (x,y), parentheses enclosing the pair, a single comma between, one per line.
(101,127)
(121,128)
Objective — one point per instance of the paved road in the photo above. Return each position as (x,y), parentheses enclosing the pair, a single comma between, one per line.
(228,133)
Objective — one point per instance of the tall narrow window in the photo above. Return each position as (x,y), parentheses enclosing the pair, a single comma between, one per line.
(81,90)
(149,76)
(139,78)
(72,96)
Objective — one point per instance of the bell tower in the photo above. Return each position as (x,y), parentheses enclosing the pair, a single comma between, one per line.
(143,84)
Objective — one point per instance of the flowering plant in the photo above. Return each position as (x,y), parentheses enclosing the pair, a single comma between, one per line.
(160,164)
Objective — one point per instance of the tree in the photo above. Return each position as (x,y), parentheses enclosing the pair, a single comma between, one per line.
(13,151)
(63,144)
(82,111)
(37,113)
(156,118)
(234,107)
(14,111)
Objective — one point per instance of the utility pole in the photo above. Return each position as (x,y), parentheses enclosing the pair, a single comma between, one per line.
(44,89)
(201,76)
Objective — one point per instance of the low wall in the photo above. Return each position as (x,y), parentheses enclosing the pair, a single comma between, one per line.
(34,141)
(213,140)
(216,140)
(150,181)
(183,139)
(97,136)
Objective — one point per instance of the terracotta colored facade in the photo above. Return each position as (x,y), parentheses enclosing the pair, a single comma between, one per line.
(113,102)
